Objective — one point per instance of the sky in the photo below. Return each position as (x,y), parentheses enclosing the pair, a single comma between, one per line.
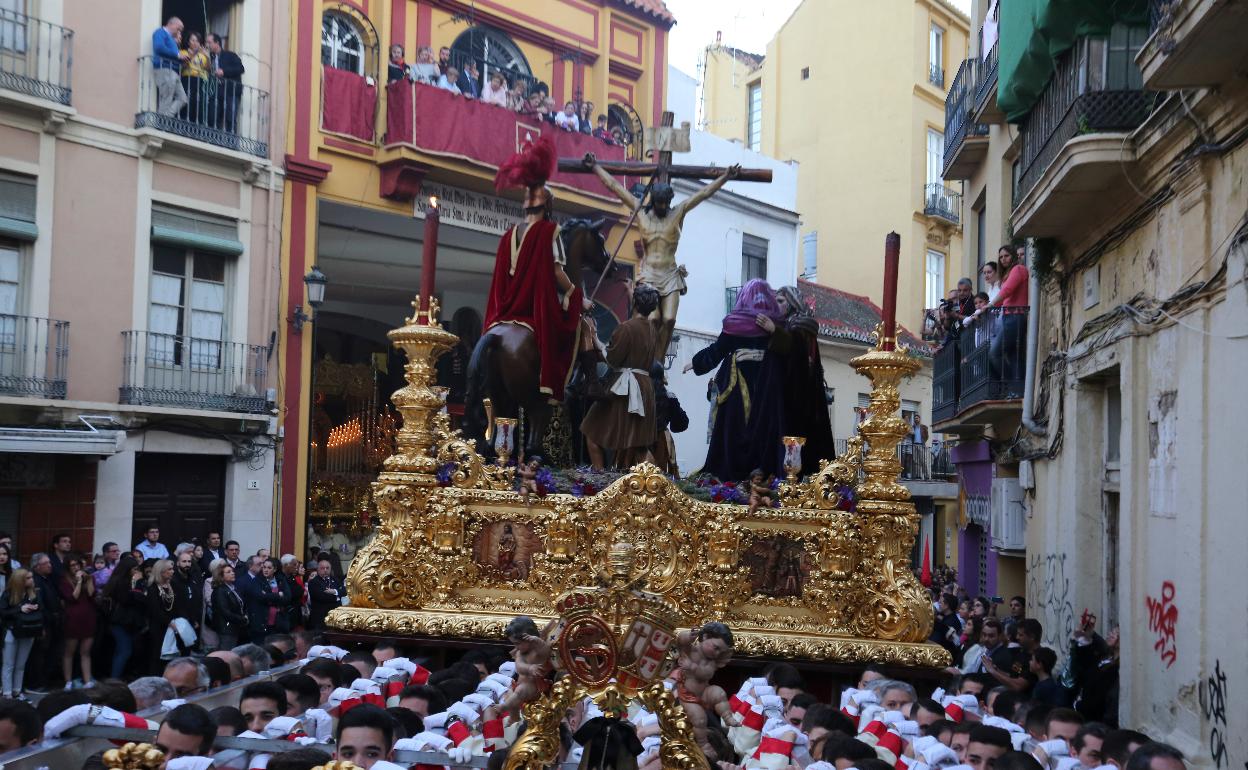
(746,24)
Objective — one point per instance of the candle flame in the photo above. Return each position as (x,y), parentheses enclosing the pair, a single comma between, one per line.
(433,201)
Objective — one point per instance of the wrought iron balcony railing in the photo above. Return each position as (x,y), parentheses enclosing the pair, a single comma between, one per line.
(993,351)
(36,57)
(936,75)
(959,108)
(987,81)
(946,374)
(943,202)
(34,353)
(217,111)
(192,373)
(1081,98)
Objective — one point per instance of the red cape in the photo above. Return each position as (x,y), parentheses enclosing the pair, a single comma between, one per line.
(528,295)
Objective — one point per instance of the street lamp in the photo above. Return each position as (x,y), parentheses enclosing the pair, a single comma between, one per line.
(673,350)
(315,280)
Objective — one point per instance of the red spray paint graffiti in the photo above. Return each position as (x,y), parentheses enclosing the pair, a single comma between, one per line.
(1163,616)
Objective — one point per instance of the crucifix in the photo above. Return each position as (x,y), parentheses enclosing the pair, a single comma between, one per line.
(657,220)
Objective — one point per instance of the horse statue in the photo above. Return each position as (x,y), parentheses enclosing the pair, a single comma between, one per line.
(504,364)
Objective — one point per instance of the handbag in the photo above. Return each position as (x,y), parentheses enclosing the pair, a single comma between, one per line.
(27,625)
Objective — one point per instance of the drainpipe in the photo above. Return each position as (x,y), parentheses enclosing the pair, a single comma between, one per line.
(1033,337)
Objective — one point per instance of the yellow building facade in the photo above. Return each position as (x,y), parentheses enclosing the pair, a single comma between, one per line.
(858,100)
(365,153)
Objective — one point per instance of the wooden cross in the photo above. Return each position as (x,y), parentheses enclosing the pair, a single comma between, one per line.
(663,140)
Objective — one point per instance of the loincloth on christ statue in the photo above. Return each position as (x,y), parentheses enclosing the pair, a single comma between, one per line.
(666,280)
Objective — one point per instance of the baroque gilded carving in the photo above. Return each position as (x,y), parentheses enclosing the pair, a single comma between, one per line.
(457,553)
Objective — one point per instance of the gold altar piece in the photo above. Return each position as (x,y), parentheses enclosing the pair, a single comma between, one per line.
(806,580)
(614,643)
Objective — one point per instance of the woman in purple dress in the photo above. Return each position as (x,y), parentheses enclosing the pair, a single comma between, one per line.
(749,405)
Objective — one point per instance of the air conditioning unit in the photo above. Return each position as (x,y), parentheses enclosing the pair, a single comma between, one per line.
(1008,526)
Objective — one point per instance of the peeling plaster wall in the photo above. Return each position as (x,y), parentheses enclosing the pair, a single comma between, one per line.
(1182,479)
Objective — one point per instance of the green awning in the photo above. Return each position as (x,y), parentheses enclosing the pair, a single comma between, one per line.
(1033,33)
(191,240)
(18,229)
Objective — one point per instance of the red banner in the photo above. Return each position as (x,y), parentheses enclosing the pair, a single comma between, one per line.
(348,104)
(440,122)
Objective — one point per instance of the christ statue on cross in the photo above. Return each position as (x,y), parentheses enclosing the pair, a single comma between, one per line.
(659,224)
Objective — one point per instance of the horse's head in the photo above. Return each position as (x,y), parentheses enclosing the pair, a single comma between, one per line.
(585,247)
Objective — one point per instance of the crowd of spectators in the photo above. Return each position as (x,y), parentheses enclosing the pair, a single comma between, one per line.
(510,91)
(1008,703)
(67,617)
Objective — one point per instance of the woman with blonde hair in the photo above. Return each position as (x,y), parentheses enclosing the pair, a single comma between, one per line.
(22,620)
(160,615)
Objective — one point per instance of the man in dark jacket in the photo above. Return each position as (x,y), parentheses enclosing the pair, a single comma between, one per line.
(188,590)
(212,552)
(45,658)
(228,68)
(324,593)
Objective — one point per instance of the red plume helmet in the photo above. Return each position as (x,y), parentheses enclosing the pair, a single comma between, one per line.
(530,167)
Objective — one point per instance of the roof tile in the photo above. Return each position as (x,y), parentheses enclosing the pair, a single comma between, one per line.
(851,317)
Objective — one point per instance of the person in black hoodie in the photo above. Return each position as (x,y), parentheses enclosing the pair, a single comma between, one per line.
(324,592)
(229,616)
(188,590)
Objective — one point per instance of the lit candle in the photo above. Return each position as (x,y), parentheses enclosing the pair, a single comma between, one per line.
(429,259)
(892,258)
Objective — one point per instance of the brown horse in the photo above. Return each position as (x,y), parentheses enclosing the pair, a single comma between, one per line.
(504,366)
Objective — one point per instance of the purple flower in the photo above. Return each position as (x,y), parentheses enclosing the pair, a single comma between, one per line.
(444,473)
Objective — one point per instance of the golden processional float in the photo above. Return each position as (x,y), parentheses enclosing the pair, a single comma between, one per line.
(641,559)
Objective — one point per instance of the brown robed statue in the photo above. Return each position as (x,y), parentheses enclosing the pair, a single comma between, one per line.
(658,221)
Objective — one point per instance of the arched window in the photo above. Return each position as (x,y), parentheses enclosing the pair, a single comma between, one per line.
(342,43)
(492,50)
(627,129)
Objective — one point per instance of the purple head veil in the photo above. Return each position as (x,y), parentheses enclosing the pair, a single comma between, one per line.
(755,297)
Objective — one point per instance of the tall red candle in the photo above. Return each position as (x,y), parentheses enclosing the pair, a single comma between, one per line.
(429,259)
(892,260)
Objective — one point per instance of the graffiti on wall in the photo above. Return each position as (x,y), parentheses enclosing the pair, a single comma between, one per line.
(1163,616)
(1212,692)
(1049,598)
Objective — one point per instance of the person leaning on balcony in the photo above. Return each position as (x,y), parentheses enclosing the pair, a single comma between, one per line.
(584,117)
(991,273)
(167,63)
(195,67)
(602,132)
(450,80)
(567,119)
(425,70)
(495,91)
(396,68)
(227,66)
(470,80)
(516,99)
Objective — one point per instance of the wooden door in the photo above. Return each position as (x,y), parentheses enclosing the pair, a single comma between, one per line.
(184,495)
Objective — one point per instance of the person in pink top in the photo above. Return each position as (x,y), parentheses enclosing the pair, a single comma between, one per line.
(1014,284)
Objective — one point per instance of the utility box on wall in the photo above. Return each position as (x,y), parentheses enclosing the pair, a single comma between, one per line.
(1009,523)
